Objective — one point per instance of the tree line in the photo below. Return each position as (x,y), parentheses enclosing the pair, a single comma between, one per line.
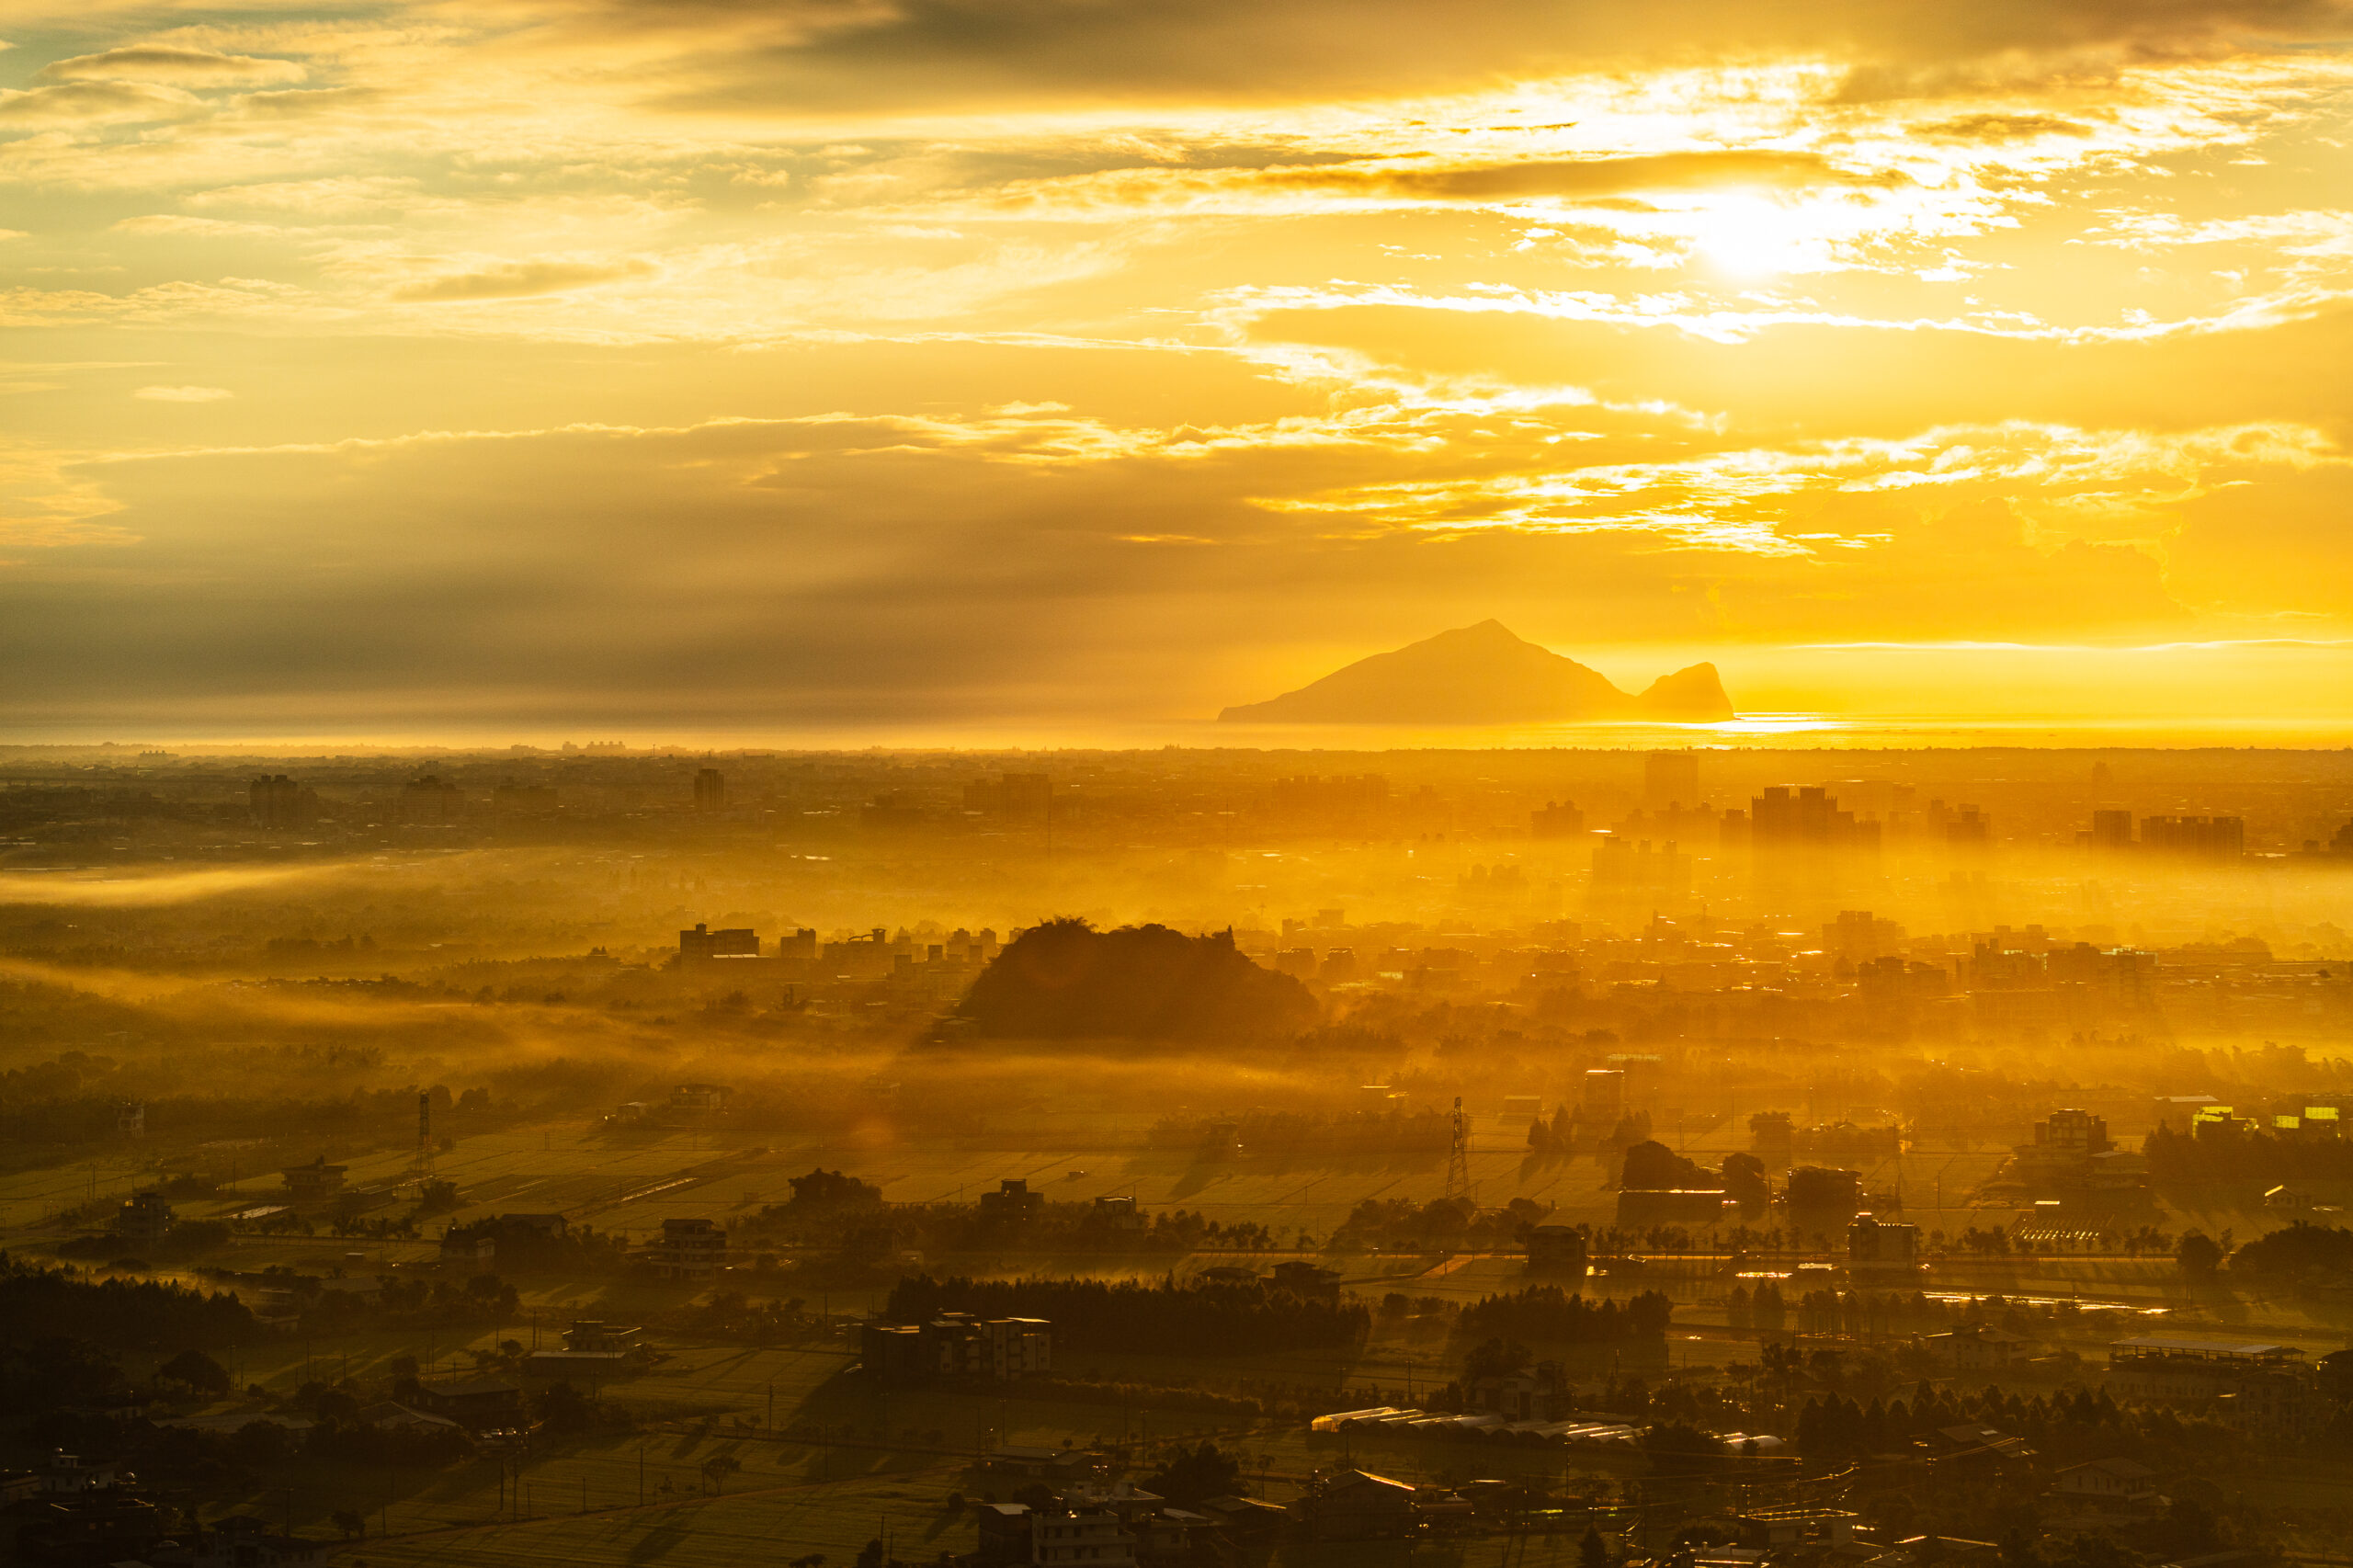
(1549,1315)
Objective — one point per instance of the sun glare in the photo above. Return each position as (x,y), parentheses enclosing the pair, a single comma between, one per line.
(1753,236)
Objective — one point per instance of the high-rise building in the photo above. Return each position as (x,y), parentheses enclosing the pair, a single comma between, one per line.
(711,789)
(1557,819)
(703,944)
(1858,937)
(1671,777)
(1969,828)
(428,799)
(1024,795)
(2205,838)
(279,802)
(1806,817)
(2112,830)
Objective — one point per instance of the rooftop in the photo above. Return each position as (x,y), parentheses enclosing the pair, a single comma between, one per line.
(2185,1345)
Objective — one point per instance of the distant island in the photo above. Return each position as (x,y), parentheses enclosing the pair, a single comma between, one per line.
(1484,675)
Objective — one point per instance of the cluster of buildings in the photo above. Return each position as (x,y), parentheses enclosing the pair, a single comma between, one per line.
(69,1513)
(799,956)
(1111,1525)
(2267,1390)
(2072,1159)
(957,1346)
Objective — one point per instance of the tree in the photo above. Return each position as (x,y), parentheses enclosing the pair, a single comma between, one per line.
(350,1523)
(1492,1359)
(2197,1255)
(1679,1443)
(197,1370)
(2188,1527)
(1744,1183)
(1593,1552)
(1195,1474)
(564,1410)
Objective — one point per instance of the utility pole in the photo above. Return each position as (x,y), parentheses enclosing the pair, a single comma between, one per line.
(1458,1159)
(423,1141)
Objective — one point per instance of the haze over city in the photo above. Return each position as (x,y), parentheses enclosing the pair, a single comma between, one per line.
(1176,784)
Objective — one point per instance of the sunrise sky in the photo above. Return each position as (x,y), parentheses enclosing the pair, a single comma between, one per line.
(814,367)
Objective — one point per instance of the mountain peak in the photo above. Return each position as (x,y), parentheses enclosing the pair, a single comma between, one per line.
(1485,673)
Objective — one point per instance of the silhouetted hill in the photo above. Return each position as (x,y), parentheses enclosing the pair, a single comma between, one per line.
(1064,980)
(1693,696)
(1484,675)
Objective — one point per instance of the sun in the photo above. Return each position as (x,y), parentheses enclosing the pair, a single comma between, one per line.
(1750,236)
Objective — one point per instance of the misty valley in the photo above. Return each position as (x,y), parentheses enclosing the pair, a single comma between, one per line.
(1222,1156)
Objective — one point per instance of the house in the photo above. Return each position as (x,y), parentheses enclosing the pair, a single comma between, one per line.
(145,1217)
(1245,1518)
(241,1540)
(1938,1551)
(700,1096)
(569,1364)
(1514,1396)
(231,1421)
(392,1415)
(1308,1281)
(596,1334)
(1977,1346)
(90,1527)
(66,1475)
(1556,1249)
(2107,1480)
(1766,1529)
(478,1404)
(692,1248)
(471,1249)
(703,945)
(1158,1533)
(1012,1201)
(1118,1215)
(1003,1533)
(544,1227)
(956,1345)
(1970,1445)
(2260,1387)
(314,1183)
(1049,1465)
(1095,1538)
(1356,1505)
(1874,1246)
